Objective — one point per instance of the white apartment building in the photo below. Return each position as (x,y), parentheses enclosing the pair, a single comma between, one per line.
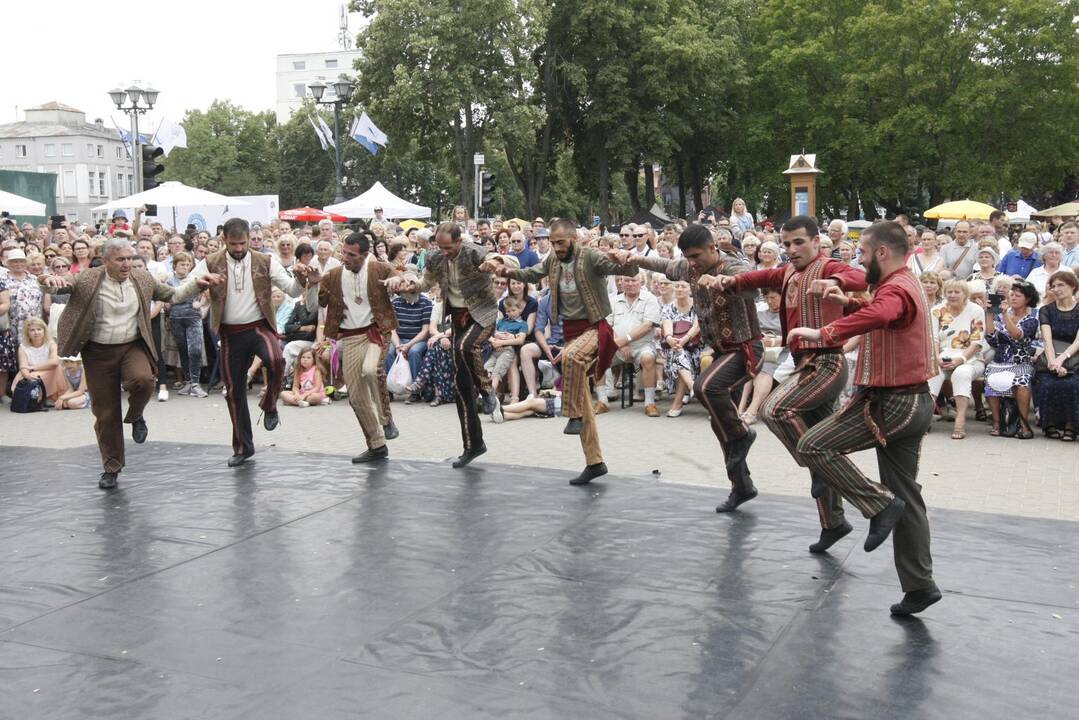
(298,70)
(91,163)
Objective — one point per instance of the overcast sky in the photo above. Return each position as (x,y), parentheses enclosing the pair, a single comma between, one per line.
(75,51)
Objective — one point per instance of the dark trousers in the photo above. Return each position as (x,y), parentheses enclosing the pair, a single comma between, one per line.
(904,419)
(469,378)
(714,387)
(187,331)
(110,369)
(157,328)
(238,351)
(803,400)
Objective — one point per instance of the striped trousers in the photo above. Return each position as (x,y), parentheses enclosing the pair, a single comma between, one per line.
(714,388)
(578,360)
(903,423)
(238,350)
(470,378)
(804,399)
(360,365)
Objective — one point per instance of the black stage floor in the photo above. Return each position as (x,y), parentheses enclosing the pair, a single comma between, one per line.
(303,587)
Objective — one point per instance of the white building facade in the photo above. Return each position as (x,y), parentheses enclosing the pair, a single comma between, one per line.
(298,70)
(91,163)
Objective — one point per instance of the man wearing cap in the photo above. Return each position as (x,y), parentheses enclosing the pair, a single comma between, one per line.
(1019,262)
(107,320)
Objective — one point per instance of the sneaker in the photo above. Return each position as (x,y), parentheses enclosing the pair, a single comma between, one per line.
(324,401)
(197,391)
(185,390)
(303,403)
(163,395)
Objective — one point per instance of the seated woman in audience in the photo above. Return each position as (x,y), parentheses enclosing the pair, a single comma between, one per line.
(547,405)
(1056,387)
(77,396)
(682,339)
(662,288)
(933,285)
(1016,339)
(286,251)
(1052,254)
(928,260)
(750,246)
(958,335)
(754,395)
(307,386)
(846,254)
(38,359)
(768,255)
(435,378)
(986,269)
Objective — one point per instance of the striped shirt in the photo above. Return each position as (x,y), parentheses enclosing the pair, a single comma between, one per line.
(411,317)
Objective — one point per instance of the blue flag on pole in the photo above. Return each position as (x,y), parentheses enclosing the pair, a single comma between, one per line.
(365,133)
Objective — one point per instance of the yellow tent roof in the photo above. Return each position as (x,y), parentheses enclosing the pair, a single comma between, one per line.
(409,224)
(1069,209)
(961,210)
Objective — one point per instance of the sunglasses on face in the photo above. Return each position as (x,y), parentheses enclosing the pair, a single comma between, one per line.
(637,236)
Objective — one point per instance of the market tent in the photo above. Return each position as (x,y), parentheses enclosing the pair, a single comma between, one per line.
(1067,210)
(309,215)
(960,210)
(171,194)
(18,205)
(378,196)
(1023,212)
(645,217)
(658,211)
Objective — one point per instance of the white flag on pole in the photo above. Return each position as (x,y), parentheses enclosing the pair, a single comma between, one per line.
(318,133)
(170,135)
(365,127)
(326,131)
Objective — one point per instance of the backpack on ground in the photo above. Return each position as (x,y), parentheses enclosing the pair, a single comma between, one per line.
(29,396)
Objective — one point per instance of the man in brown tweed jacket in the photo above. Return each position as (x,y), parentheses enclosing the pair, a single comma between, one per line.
(107,320)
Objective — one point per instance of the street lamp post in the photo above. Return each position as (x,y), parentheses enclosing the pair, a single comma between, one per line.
(134,94)
(342,94)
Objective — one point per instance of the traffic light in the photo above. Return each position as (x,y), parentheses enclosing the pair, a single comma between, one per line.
(487,189)
(150,166)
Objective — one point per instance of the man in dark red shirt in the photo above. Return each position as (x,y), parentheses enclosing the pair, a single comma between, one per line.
(809,395)
(891,410)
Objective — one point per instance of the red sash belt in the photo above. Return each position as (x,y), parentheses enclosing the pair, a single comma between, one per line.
(372,332)
(572,329)
(242,327)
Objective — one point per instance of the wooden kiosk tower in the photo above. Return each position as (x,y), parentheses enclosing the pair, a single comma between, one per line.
(803,174)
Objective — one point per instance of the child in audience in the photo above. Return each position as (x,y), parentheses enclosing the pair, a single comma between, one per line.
(76,397)
(307,388)
(509,334)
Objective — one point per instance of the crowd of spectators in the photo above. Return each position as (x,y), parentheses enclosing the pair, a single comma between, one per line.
(1003,309)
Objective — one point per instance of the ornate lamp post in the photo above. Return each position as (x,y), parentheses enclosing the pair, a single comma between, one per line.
(342,94)
(134,95)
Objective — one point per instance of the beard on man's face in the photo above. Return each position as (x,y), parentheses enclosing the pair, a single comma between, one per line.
(872,271)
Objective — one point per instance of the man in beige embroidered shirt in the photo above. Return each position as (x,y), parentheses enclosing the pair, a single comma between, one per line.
(107,321)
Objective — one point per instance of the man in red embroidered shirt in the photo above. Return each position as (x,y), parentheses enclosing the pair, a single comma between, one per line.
(809,395)
(891,410)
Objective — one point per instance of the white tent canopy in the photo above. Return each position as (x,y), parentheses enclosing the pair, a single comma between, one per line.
(171,194)
(378,196)
(1022,213)
(18,205)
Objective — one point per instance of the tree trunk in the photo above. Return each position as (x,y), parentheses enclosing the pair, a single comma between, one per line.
(649,185)
(695,180)
(681,187)
(852,204)
(604,187)
(631,176)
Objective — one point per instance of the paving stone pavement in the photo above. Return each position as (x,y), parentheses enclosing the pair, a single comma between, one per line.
(1033,478)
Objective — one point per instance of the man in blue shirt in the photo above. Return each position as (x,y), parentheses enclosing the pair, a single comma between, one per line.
(409,340)
(1020,261)
(520,250)
(547,346)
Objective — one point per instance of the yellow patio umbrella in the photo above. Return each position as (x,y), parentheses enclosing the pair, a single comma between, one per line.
(409,224)
(1069,209)
(520,223)
(961,210)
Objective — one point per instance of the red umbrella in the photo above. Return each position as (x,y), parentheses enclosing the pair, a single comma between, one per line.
(310,214)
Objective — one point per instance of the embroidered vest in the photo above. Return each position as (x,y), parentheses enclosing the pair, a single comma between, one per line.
(812,312)
(260,281)
(591,286)
(902,356)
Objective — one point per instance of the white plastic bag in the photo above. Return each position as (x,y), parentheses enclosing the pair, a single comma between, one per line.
(399,377)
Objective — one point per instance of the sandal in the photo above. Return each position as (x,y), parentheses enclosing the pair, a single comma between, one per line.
(958,434)
(994,431)
(981,416)
(1052,433)
(1067,435)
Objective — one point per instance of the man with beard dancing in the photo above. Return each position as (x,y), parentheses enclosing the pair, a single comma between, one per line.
(891,410)
(577,278)
(809,395)
(729,325)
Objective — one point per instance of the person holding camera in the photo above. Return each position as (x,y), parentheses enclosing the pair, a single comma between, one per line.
(1016,339)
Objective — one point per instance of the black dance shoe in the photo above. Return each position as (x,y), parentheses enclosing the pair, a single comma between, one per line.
(468,456)
(916,601)
(573,427)
(107,481)
(590,473)
(271,419)
(390,430)
(139,431)
(239,459)
(735,499)
(882,524)
(829,537)
(372,455)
